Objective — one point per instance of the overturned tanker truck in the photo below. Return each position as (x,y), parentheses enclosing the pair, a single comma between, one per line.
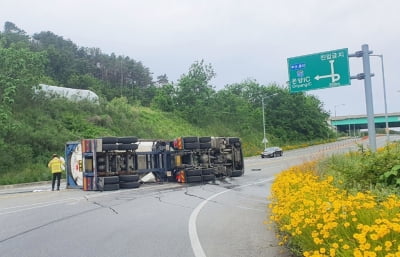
(112,163)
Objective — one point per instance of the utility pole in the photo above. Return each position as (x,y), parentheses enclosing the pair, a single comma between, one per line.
(384,97)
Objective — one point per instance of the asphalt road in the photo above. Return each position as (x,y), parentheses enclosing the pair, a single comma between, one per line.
(225,218)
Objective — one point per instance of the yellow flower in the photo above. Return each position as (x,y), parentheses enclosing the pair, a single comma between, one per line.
(388,244)
(374,237)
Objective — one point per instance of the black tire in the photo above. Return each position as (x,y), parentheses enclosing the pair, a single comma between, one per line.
(191,145)
(109,147)
(109,140)
(233,140)
(127,140)
(111,187)
(190,139)
(111,180)
(127,147)
(204,139)
(126,185)
(193,179)
(128,178)
(208,177)
(205,145)
(237,173)
(190,173)
(208,171)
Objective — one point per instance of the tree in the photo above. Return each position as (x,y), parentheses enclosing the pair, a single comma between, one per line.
(14,37)
(164,99)
(194,93)
(20,71)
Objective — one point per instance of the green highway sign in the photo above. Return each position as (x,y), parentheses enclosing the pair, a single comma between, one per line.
(317,71)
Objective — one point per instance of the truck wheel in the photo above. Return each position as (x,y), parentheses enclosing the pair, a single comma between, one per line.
(193,179)
(111,180)
(233,140)
(110,187)
(208,171)
(204,139)
(237,173)
(192,145)
(190,139)
(128,178)
(109,147)
(205,145)
(190,173)
(109,140)
(126,185)
(127,140)
(208,177)
(127,147)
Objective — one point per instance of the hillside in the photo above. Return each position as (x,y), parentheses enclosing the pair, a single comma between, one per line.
(33,126)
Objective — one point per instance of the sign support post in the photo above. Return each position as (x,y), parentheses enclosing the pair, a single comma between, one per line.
(368,97)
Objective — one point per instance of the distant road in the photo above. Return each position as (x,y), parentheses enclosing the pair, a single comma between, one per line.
(225,218)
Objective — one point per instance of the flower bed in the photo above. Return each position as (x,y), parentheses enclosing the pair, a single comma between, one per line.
(315,218)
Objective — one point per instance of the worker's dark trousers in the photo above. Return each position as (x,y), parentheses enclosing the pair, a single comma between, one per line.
(57,176)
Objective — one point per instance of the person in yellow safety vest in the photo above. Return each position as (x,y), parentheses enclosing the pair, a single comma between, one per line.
(55,166)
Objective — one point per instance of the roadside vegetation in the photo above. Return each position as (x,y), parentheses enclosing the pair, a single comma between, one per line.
(344,205)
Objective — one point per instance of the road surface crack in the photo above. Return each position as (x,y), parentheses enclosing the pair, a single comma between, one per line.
(104,206)
(159,198)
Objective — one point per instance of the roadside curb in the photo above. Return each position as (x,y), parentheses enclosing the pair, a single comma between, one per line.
(23,185)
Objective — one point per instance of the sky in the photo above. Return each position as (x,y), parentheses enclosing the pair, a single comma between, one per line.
(241,39)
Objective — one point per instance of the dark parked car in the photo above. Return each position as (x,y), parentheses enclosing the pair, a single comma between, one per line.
(272,152)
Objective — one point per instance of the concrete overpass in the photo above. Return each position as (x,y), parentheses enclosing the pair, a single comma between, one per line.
(354,123)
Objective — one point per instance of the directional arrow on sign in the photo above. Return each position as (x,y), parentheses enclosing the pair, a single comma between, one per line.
(334,76)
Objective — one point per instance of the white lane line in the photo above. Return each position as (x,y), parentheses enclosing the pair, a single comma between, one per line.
(194,237)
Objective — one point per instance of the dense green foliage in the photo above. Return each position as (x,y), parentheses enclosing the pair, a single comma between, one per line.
(366,170)
(33,126)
